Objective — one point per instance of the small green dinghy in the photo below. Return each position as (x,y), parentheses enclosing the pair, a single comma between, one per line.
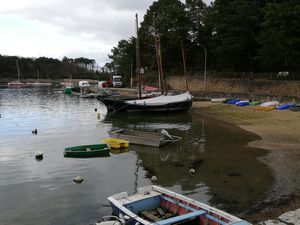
(87,151)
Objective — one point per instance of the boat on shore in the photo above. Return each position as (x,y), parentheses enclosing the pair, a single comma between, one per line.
(87,151)
(162,103)
(146,138)
(159,206)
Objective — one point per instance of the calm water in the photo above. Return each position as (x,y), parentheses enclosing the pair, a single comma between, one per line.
(228,174)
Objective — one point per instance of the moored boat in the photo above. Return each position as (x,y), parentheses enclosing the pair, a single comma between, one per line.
(154,139)
(157,205)
(87,151)
(115,143)
(16,84)
(162,103)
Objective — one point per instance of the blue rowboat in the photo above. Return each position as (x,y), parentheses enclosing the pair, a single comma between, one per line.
(155,205)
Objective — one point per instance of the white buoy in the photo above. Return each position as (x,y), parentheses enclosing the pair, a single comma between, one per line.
(192,171)
(154,178)
(39,155)
(78,179)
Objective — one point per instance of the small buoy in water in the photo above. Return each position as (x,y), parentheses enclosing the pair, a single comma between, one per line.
(192,171)
(154,178)
(78,179)
(98,116)
(39,155)
(34,131)
(95,109)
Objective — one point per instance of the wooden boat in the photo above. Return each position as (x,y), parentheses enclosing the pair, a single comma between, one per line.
(162,103)
(115,143)
(155,205)
(154,139)
(87,151)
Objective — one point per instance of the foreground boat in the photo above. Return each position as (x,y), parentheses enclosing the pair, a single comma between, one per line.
(154,139)
(87,151)
(162,103)
(157,205)
(116,143)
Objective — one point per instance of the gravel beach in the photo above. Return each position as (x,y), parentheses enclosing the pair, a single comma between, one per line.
(280,134)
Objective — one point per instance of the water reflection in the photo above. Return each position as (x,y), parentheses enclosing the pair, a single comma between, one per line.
(227,172)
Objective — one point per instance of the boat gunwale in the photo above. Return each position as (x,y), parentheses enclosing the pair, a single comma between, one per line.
(115,200)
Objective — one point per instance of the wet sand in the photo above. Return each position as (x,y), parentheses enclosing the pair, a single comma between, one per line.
(280,134)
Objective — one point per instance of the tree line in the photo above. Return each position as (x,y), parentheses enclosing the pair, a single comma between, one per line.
(48,68)
(237,35)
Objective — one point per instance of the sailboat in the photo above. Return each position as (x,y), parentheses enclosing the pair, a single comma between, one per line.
(17,83)
(162,103)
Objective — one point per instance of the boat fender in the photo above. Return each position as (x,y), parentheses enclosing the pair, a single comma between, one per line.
(95,109)
(98,116)
(134,102)
(144,103)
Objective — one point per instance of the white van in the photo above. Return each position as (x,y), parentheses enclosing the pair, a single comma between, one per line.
(117,81)
(83,83)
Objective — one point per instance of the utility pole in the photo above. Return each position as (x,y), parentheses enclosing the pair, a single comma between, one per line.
(138,62)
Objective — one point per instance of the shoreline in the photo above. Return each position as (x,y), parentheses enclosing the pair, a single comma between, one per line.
(279,134)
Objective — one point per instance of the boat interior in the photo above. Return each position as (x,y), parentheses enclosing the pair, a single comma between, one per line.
(164,210)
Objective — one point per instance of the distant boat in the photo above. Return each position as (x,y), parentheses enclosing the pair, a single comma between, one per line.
(242,103)
(18,83)
(87,151)
(153,205)
(268,104)
(147,138)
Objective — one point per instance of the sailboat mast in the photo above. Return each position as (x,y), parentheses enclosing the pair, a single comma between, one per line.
(184,67)
(158,58)
(18,69)
(156,51)
(138,62)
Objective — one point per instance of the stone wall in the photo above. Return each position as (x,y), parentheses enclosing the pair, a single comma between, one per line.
(256,88)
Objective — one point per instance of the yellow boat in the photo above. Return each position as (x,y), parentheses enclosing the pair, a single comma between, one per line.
(116,143)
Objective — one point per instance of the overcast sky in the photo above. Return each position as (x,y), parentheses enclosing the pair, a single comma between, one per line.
(72,28)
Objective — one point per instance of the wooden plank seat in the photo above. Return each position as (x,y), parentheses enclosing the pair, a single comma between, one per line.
(183,217)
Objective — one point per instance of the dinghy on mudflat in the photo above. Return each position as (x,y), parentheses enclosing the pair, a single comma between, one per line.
(242,103)
(284,106)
